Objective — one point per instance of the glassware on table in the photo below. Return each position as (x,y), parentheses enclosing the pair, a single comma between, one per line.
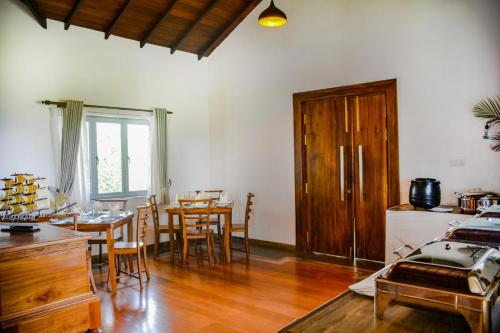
(178,197)
(224,198)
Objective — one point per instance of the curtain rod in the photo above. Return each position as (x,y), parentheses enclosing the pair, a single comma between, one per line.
(63,104)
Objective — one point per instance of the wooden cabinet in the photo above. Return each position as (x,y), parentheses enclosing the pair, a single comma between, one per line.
(44,283)
(408,229)
(346,168)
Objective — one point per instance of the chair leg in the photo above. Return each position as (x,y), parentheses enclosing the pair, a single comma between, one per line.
(185,252)
(157,242)
(107,281)
(247,245)
(130,269)
(221,246)
(212,247)
(145,261)
(139,267)
(100,252)
(118,266)
(179,245)
(208,249)
(219,234)
(231,251)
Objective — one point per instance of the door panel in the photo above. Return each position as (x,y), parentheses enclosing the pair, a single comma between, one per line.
(326,204)
(325,223)
(370,174)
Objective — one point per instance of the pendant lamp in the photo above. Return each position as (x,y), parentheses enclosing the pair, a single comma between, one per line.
(272,17)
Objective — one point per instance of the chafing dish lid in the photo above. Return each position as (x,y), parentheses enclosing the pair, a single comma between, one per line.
(451,254)
(481,264)
(482,223)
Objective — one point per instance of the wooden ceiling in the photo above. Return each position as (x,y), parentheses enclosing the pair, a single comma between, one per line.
(194,26)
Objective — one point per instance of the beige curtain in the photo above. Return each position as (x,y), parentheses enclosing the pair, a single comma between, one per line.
(160,120)
(70,142)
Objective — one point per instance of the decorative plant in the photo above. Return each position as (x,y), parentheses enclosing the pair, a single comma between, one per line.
(489,108)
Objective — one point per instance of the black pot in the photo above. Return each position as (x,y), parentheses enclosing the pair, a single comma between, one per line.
(425,192)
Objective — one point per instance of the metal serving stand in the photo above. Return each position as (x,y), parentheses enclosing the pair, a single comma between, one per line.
(459,273)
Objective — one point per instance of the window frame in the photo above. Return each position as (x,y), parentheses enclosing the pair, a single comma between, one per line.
(91,121)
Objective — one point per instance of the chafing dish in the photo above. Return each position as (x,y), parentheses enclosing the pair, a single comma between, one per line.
(492,211)
(479,230)
(444,275)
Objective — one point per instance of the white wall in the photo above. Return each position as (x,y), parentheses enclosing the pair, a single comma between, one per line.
(54,64)
(445,55)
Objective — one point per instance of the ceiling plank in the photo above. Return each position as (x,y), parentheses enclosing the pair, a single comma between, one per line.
(155,26)
(212,45)
(37,12)
(195,25)
(117,19)
(72,14)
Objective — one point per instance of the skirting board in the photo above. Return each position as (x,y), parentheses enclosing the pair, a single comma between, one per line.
(276,245)
(164,246)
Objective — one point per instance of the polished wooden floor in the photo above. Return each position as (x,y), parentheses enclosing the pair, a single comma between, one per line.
(262,295)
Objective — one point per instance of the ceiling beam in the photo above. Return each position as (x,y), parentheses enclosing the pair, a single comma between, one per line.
(155,26)
(72,14)
(37,12)
(117,19)
(208,49)
(195,25)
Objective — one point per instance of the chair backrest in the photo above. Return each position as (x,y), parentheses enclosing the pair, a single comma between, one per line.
(109,202)
(142,223)
(48,218)
(195,214)
(248,208)
(214,194)
(154,211)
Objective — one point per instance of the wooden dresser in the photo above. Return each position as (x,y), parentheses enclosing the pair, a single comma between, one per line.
(44,284)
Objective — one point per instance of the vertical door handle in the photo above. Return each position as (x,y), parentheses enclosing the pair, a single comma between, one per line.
(346,115)
(342,185)
(360,170)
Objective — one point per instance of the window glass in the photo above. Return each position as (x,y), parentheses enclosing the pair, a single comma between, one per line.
(109,157)
(138,157)
(119,151)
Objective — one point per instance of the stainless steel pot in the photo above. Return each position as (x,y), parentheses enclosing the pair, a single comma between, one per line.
(488,200)
(469,202)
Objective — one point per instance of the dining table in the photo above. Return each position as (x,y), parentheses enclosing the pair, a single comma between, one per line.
(107,223)
(224,209)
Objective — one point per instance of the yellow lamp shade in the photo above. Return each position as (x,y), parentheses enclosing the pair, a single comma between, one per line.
(272,17)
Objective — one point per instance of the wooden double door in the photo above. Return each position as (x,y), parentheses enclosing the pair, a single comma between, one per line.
(345,171)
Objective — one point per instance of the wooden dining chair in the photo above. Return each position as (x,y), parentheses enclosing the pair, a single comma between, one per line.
(136,247)
(163,228)
(195,222)
(100,238)
(74,226)
(215,219)
(235,227)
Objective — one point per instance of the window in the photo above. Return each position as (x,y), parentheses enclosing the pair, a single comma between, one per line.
(119,157)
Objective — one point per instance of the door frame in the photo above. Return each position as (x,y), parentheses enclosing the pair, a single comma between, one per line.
(389,87)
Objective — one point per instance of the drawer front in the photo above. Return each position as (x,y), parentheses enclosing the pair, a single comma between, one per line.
(78,317)
(33,283)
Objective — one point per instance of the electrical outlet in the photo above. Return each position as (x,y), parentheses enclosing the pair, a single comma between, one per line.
(456,162)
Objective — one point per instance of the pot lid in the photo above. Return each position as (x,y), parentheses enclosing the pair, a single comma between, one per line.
(490,196)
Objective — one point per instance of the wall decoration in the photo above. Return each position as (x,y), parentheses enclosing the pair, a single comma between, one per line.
(489,108)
